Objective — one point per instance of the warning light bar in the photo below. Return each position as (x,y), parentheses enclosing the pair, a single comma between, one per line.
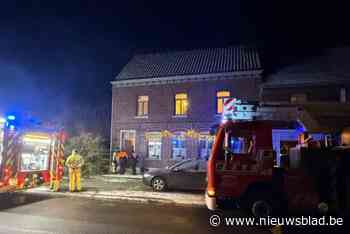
(11,117)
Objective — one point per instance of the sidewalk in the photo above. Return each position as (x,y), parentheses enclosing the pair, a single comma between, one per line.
(123,187)
(182,199)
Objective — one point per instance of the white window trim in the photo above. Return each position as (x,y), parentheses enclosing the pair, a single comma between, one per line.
(137,109)
(120,139)
(179,133)
(161,147)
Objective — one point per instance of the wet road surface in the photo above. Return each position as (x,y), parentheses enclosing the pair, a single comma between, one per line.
(26,213)
(23,213)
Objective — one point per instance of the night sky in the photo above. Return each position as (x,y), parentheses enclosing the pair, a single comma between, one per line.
(57,59)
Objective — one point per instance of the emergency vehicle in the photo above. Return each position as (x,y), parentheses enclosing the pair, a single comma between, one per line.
(30,153)
(243,169)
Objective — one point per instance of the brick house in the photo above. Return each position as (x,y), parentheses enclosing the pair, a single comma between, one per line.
(164,104)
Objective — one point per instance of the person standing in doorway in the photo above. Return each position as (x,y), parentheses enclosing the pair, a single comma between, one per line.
(133,161)
(141,163)
(122,161)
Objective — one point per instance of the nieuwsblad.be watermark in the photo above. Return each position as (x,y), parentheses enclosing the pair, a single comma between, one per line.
(216,221)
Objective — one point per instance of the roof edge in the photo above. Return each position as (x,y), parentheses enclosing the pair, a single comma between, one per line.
(184,78)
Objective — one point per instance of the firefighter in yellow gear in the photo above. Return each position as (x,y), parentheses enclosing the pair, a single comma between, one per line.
(74,163)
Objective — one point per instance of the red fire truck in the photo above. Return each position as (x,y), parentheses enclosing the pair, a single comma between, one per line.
(30,153)
(242,170)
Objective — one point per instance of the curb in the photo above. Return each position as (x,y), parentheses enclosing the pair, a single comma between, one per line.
(133,177)
(142,200)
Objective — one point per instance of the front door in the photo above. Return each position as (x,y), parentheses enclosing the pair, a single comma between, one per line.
(127,140)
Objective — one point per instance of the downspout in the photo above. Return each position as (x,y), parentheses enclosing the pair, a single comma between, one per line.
(111,133)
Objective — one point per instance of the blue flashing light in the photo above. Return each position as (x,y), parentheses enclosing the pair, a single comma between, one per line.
(11,117)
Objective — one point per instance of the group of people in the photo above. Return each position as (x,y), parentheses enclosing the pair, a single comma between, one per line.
(123,159)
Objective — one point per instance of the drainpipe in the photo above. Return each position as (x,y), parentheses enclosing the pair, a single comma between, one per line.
(111,133)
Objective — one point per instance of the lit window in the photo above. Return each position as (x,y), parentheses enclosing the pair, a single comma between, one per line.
(154,145)
(204,146)
(35,154)
(241,144)
(298,98)
(142,106)
(179,146)
(181,104)
(220,100)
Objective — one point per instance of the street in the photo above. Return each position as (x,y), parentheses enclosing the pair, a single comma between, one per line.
(23,213)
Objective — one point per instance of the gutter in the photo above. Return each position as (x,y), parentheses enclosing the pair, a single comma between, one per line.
(185,78)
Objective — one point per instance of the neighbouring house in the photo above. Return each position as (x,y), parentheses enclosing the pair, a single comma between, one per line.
(164,104)
(319,86)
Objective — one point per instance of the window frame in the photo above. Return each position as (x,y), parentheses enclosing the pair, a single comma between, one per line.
(161,145)
(143,111)
(183,104)
(121,138)
(179,134)
(221,98)
(205,135)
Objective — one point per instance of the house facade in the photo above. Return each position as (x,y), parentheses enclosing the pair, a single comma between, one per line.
(164,105)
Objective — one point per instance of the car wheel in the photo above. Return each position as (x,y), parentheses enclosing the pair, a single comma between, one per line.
(158,184)
(263,203)
(261,208)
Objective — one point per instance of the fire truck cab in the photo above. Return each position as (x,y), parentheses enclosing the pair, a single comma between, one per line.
(242,170)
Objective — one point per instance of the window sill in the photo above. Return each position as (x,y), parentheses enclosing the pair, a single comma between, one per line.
(179,116)
(141,117)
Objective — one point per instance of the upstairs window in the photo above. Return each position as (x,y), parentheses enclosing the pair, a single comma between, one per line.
(220,95)
(181,104)
(298,98)
(142,106)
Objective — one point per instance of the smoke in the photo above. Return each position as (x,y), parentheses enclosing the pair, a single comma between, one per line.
(23,91)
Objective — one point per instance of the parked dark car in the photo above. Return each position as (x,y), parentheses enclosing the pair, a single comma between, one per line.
(186,175)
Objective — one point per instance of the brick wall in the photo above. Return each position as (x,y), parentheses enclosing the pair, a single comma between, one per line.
(201,115)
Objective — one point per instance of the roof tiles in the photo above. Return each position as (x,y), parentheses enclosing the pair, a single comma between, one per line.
(203,61)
